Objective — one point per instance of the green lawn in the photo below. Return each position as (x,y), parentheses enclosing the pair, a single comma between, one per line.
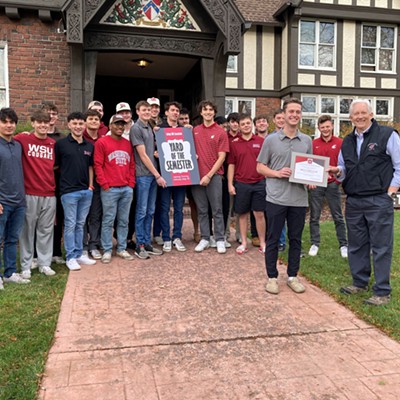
(28,317)
(329,271)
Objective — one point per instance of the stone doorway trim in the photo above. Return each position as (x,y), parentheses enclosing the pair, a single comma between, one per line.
(225,15)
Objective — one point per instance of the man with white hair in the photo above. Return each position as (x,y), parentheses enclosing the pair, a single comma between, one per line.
(369,166)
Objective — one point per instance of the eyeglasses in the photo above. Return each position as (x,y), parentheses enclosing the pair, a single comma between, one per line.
(53,114)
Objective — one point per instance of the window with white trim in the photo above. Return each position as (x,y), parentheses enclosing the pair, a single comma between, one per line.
(3,76)
(378,48)
(232,64)
(338,108)
(317,45)
(241,105)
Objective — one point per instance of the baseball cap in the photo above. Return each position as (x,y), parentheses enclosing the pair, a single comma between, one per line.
(123,107)
(95,103)
(153,101)
(117,118)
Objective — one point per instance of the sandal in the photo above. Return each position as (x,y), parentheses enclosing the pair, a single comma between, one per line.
(261,250)
(241,249)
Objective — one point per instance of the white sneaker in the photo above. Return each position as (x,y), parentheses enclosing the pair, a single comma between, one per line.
(167,246)
(344,252)
(16,278)
(125,255)
(58,260)
(313,250)
(159,240)
(47,271)
(85,260)
(203,244)
(227,244)
(34,264)
(213,243)
(1,283)
(26,274)
(73,265)
(221,249)
(95,254)
(179,245)
(106,259)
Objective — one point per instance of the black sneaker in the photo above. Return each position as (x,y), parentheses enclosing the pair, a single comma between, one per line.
(131,245)
(378,300)
(281,247)
(141,252)
(351,289)
(152,250)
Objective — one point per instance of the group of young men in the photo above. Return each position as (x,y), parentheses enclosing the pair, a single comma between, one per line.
(99,182)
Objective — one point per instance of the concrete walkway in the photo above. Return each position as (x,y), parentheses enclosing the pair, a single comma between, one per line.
(200,326)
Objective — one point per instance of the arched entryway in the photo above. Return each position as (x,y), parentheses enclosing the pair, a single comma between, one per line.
(187,64)
(167,77)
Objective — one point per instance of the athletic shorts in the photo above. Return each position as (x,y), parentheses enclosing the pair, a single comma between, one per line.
(249,197)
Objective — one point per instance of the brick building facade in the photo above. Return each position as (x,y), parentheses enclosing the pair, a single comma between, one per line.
(39,63)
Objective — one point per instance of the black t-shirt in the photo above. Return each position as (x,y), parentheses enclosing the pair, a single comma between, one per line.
(73,160)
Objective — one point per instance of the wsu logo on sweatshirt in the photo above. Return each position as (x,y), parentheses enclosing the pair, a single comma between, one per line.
(40,151)
(121,157)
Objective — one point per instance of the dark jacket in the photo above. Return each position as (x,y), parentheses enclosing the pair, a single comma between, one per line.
(372,173)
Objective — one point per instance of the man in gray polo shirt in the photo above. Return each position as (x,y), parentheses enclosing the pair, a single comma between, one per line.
(285,200)
(147,179)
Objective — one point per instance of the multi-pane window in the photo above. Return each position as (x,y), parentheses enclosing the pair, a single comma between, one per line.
(317,44)
(338,107)
(241,105)
(232,64)
(378,46)
(3,76)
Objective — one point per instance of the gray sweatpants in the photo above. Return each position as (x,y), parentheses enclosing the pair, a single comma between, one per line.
(212,193)
(39,220)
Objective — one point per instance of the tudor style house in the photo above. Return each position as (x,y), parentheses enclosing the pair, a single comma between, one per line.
(247,55)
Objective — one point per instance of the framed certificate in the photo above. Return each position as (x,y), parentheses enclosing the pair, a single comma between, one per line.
(177,156)
(309,169)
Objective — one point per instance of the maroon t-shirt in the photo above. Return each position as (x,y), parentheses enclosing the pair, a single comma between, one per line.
(243,154)
(38,164)
(329,149)
(209,141)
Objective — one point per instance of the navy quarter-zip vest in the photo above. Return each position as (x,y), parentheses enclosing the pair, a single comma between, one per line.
(372,173)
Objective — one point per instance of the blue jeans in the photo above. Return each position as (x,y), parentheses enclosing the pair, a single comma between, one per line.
(157,214)
(76,208)
(282,238)
(146,193)
(11,223)
(178,196)
(116,203)
(334,197)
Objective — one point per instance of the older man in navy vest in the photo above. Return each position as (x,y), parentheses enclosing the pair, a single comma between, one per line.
(369,166)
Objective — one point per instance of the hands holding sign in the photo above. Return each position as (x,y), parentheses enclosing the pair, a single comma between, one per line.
(177,155)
